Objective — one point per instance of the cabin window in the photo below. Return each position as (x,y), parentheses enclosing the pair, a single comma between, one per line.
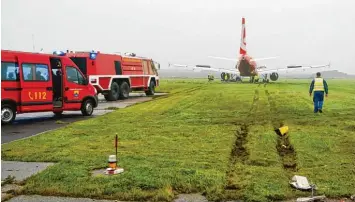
(118,68)
(35,72)
(73,75)
(10,71)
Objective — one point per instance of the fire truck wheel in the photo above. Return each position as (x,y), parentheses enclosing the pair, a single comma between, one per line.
(58,114)
(87,108)
(114,92)
(151,88)
(124,90)
(8,113)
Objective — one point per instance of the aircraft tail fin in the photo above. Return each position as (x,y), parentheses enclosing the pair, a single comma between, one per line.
(243,48)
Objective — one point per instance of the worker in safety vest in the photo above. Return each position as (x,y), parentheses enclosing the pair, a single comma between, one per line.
(318,87)
(210,77)
(256,78)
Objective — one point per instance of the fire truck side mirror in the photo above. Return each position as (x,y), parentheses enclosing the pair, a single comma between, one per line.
(86,82)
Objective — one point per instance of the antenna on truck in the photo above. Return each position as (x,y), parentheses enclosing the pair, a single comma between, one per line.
(130,54)
(33,42)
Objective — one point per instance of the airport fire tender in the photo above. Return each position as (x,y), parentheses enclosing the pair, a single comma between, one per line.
(36,82)
(115,75)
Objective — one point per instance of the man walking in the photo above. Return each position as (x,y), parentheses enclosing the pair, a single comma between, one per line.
(318,87)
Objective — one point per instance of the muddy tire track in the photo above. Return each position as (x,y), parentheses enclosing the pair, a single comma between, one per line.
(239,152)
(191,90)
(255,102)
(284,147)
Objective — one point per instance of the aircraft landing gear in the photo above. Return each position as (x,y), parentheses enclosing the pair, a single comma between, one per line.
(238,79)
(265,79)
(252,78)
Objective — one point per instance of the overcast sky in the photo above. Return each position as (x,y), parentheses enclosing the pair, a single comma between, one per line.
(308,32)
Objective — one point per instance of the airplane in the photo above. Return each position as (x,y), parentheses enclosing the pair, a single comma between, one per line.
(246,65)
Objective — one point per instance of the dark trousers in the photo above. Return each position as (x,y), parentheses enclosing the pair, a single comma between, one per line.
(318,99)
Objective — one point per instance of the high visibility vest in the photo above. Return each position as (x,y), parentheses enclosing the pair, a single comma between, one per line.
(318,84)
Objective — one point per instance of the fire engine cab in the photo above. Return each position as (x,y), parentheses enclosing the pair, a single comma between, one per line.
(116,75)
(35,82)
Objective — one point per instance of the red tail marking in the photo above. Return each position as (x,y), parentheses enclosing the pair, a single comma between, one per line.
(243,44)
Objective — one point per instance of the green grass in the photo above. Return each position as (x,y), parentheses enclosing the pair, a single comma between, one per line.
(183,143)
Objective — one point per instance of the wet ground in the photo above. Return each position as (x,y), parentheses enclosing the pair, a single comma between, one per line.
(37,198)
(29,124)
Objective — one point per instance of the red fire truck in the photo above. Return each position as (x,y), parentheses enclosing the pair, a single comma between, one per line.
(114,75)
(34,82)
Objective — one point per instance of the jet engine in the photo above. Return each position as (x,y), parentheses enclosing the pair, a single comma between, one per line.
(222,75)
(274,76)
(225,76)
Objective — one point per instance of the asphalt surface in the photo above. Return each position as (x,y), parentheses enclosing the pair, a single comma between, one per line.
(29,124)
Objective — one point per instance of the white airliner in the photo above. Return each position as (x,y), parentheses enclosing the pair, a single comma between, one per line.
(246,65)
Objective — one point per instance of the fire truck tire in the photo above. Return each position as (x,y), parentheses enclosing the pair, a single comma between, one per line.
(124,90)
(87,108)
(151,88)
(114,92)
(8,113)
(58,114)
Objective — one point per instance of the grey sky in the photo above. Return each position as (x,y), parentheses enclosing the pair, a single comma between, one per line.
(187,31)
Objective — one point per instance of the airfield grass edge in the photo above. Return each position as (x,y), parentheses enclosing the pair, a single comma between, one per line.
(183,143)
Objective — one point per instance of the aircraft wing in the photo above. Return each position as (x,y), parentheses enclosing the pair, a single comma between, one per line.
(182,66)
(258,59)
(236,60)
(223,58)
(205,68)
(293,67)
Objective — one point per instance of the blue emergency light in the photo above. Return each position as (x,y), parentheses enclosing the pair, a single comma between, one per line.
(59,53)
(92,55)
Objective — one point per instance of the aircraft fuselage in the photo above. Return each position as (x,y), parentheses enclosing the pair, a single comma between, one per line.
(246,66)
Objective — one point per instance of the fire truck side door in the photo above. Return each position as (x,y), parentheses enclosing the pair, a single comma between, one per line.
(145,72)
(74,88)
(36,83)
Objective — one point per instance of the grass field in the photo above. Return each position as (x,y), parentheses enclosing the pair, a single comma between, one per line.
(214,138)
